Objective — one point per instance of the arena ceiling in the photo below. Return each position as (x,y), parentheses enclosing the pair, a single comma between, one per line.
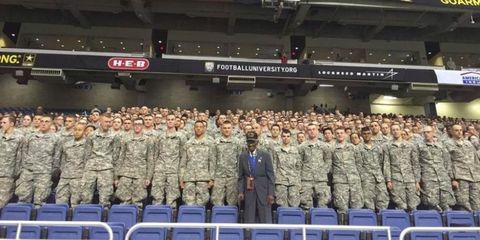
(359,19)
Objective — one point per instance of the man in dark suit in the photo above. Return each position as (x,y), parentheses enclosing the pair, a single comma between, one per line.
(256,182)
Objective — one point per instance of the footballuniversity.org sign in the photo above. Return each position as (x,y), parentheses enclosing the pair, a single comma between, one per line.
(212,67)
(470,78)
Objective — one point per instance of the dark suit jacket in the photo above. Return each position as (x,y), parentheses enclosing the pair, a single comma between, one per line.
(264,176)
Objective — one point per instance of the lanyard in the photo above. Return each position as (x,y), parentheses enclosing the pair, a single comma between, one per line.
(252,164)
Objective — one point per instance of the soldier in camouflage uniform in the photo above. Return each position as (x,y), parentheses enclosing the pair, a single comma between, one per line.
(402,171)
(134,167)
(166,166)
(72,164)
(40,158)
(11,140)
(66,133)
(347,166)
(227,150)
(149,129)
(101,155)
(287,165)
(436,173)
(377,135)
(328,138)
(316,164)
(465,170)
(373,182)
(197,167)
(273,139)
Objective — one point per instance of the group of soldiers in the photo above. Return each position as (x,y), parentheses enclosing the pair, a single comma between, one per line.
(319,159)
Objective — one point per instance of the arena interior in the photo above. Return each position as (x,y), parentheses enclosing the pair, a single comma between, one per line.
(240,119)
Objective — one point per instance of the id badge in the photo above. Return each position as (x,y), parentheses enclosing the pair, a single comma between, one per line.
(250,184)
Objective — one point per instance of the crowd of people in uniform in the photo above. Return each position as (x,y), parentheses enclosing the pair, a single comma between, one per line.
(319,159)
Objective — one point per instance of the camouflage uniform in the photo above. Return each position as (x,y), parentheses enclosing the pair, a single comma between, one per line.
(40,157)
(10,160)
(316,164)
(196,170)
(379,139)
(101,154)
(465,170)
(373,182)
(166,167)
(65,135)
(72,164)
(347,183)
(287,165)
(133,167)
(402,168)
(227,151)
(436,175)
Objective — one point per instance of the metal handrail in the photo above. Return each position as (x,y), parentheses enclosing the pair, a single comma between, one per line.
(217,227)
(19,225)
(408,230)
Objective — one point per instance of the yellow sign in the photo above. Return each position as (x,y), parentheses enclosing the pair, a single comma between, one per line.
(17,59)
(460,3)
(450,3)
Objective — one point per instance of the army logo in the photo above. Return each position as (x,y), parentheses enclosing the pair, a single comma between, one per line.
(209,66)
(28,60)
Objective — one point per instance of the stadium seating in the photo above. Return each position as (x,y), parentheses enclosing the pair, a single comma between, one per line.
(126,214)
(427,218)
(267,234)
(52,212)
(149,233)
(87,212)
(64,232)
(361,217)
(118,229)
(157,213)
(323,216)
(190,214)
(226,214)
(460,219)
(14,211)
(396,219)
(292,215)
(27,232)
(154,213)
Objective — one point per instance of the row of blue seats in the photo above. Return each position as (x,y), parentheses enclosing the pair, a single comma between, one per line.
(122,217)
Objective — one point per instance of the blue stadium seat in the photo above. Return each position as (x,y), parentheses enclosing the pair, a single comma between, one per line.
(52,212)
(27,232)
(463,236)
(267,234)
(365,217)
(98,233)
(361,217)
(87,212)
(286,215)
(226,214)
(460,219)
(64,232)
(126,214)
(154,213)
(396,219)
(343,235)
(157,213)
(190,214)
(149,233)
(427,218)
(323,216)
(14,211)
